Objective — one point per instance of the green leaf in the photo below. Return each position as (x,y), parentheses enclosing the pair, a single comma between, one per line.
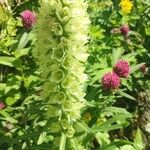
(30,80)
(127,147)
(138,140)
(10,42)
(112,123)
(12,87)
(126,95)
(111,147)
(2,86)
(25,136)
(3,14)
(44,138)
(116,144)
(136,67)
(72,144)
(11,100)
(96,32)
(107,128)
(127,83)
(147,31)
(117,53)
(82,127)
(8,61)
(44,146)
(7,117)
(102,138)
(129,57)
(23,41)
(21,52)
(116,110)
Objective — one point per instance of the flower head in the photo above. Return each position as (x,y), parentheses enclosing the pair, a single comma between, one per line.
(124,30)
(8,126)
(2,1)
(144,69)
(28,19)
(110,81)
(126,6)
(122,68)
(2,105)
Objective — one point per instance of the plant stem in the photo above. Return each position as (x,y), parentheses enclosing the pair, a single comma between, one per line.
(62,142)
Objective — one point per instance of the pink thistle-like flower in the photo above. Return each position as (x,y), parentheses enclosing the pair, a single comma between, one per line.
(124,30)
(28,19)
(122,68)
(110,81)
(2,105)
(144,69)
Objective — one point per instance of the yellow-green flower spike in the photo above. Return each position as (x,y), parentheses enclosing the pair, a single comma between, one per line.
(60,51)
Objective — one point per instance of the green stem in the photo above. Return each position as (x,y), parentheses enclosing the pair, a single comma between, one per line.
(62,142)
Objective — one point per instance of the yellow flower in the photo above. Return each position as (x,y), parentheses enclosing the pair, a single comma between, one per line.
(126,6)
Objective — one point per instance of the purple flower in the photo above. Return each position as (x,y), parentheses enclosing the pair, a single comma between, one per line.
(110,81)
(124,30)
(122,68)
(28,19)
(2,105)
